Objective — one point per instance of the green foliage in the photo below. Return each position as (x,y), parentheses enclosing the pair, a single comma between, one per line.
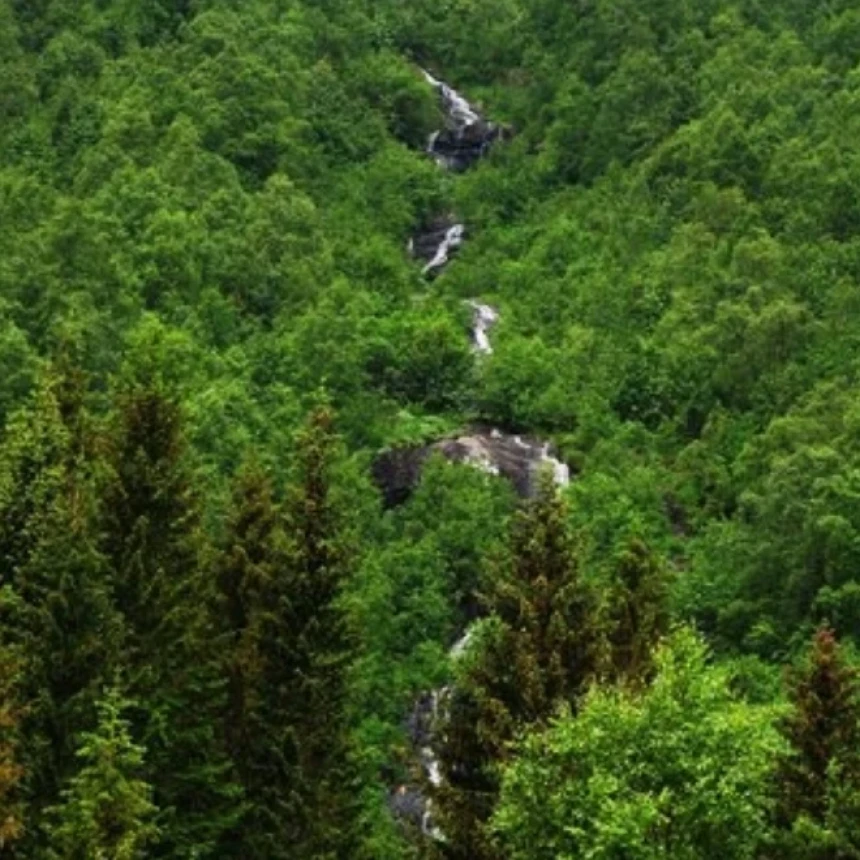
(537,648)
(638,615)
(206,207)
(155,546)
(58,622)
(107,810)
(681,769)
(819,779)
(11,772)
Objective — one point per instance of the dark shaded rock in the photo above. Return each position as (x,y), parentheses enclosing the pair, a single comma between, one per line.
(459,150)
(421,722)
(436,242)
(520,459)
(408,804)
(427,239)
(467,135)
(397,472)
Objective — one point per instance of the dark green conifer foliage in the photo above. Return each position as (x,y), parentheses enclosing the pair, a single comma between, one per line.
(638,616)
(246,574)
(538,649)
(11,772)
(306,646)
(246,571)
(164,589)
(56,611)
(107,810)
(819,782)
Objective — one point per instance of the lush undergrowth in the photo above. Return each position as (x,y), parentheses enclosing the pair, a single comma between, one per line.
(209,323)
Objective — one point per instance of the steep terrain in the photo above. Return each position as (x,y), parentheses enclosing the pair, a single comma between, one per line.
(381,381)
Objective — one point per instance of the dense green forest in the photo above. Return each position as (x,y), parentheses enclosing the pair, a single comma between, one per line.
(221,638)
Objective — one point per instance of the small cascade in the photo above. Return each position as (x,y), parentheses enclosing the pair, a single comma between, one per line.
(485,317)
(435,243)
(459,648)
(465,139)
(520,460)
(460,112)
(560,471)
(467,135)
(451,241)
(409,802)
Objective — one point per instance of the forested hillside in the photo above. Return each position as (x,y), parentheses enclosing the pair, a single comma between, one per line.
(393,471)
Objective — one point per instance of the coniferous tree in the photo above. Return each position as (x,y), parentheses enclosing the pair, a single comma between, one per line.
(107,811)
(11,808)
(538,648)
(638,615)
(306,799)
(164,590)
(56,611)
(819,781)
(246,574)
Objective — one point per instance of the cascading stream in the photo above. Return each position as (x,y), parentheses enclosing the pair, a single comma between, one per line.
(452,240)
(465,139)
(467,135)
(483,319)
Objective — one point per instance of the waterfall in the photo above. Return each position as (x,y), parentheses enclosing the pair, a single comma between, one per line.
(459,111)
(458,649)
(466,136)
(465,139)
(452,240)
(560,471)
(485,317)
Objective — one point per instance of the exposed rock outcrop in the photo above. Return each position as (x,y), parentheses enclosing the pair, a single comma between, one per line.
(519,459)
(467,135)
(436,242)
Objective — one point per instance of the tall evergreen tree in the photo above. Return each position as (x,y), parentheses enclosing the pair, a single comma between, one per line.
(638,614)
(538,648)
(305,777)
(107,811)
(163,588)
(11,772)
(56,611)
(247,568)
(819,782)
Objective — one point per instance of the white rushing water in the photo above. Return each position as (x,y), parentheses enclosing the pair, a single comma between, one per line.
(466,136)
(479,456)
(485,317)
(560,471)
(464,139)
(452,240)
(461,113)
(431,766)
(458,649)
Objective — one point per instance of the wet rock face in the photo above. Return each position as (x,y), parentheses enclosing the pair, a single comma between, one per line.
(458,151)
(436,243)
(467,135)
(484,317)
(520,459)
(409,801)
(465,138)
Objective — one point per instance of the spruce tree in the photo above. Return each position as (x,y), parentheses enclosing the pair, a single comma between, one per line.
(820,779)
(537,649)
(11,808)
(107,811)
(247,569)
(305,800)
(163,588)
(55,609)
(637,614)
